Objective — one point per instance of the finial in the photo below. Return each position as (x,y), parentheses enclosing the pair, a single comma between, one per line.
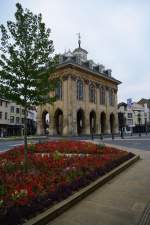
(79,39)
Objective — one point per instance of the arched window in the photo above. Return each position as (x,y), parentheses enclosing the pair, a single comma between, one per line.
(102,96)
(80,90)
(58,90)
(92,96)
(111,97)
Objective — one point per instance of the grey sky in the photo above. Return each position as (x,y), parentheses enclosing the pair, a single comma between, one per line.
(116,33)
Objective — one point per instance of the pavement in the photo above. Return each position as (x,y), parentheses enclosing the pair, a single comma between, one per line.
(121,201)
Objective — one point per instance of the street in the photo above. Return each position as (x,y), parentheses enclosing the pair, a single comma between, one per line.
(134,141)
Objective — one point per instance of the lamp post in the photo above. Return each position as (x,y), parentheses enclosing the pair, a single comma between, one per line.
(146,125)
(139,121)
(92,127)
(101,136)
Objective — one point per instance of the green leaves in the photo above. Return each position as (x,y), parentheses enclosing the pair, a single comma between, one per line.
(25,59)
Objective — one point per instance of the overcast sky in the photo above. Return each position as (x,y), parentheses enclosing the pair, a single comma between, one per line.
(115,33)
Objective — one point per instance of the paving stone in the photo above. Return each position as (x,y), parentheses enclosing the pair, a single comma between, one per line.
(121,201)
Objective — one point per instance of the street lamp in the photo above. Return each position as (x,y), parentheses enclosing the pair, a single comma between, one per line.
(101,135)
(92,127)
(146,124)
(139,121)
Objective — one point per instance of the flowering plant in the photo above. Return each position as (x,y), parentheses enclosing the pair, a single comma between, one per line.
(56,169)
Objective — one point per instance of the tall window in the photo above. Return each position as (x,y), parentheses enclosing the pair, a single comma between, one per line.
(12,119)
(6,115)
(111,97)
(17,110)
(58,90)
(12,109)
(80,90)
(102,96)
(17,120)
(92,96)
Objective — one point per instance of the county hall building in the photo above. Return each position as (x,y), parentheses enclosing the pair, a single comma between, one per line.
(86,98)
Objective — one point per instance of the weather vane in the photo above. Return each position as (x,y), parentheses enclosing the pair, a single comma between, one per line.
(79,39)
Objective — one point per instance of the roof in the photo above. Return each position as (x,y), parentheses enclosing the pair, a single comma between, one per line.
(78,59)
(80,49)
(122,104)
(102,75)
(143,101)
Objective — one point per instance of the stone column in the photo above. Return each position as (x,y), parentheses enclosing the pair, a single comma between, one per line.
(97,109)
(116,128)
(65,108)
(73,104)
(39,121)
(107,112)
(70,92)
(87,120)
(51,129)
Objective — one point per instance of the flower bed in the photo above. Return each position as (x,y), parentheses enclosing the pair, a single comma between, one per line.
(55,170)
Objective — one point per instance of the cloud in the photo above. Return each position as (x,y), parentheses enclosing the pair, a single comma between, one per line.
(114,32)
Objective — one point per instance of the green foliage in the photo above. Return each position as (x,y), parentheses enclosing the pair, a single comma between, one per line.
(1,202)
(101,146)
(57,155)
(73,174)
(25,61)
(31,148)
(2,190)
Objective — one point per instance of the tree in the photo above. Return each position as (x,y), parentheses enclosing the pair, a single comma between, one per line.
(26,63)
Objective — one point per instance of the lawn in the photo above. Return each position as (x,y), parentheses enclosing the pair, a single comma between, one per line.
(56,170)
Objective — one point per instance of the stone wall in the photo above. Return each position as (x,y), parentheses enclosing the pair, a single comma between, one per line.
(69,105)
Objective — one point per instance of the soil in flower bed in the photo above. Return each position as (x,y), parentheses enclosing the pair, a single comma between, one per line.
(56,170)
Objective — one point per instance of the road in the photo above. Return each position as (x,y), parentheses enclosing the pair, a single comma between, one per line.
(135,141)
(142,143)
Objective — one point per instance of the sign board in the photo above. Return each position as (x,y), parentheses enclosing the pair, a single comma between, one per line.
(129,103)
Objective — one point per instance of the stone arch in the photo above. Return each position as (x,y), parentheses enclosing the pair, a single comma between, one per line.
(45,121)
(92,119)
(112,123)
(103,122)
(80,121)
(58,121)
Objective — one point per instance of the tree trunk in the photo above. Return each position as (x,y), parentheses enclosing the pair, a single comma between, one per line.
(25,142)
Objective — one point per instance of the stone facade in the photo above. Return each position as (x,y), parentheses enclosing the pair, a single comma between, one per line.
(80,110)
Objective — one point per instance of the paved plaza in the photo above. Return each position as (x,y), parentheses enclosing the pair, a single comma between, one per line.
(122,200)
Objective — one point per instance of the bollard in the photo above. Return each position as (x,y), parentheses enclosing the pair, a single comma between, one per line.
(101,136)
(92,134)
(112,136)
